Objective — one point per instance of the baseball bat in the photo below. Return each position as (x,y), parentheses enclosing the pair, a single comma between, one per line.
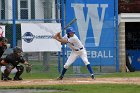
(70,23)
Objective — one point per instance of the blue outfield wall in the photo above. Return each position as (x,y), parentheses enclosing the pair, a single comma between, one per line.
(95,26)
(134,56)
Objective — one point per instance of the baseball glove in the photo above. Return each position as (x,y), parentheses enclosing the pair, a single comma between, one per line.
(28,68)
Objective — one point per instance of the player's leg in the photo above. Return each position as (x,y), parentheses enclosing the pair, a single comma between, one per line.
(7,71)
(2,74)
(2,71)
(85,60)
(14,71)
(70,60)
(20,70)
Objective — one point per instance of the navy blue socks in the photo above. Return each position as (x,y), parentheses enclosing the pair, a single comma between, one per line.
(63,71)
(89,69)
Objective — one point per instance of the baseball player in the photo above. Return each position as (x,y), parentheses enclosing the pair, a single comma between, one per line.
(77,50)
(3,47)
(11,62)
(13,71)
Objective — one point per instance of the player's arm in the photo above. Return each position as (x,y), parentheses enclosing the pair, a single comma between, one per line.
(59,38)
(3,62)
(63,41)
(28,66)
(59,35)
(23,61)
(26,63)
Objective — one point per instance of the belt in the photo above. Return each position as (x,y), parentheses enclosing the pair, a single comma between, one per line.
(79,49)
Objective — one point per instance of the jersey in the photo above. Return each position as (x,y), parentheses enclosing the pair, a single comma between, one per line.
(78,50)
(73,42)
(13,59)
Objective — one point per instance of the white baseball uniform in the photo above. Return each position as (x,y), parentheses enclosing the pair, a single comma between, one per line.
(13,71)
(78,50)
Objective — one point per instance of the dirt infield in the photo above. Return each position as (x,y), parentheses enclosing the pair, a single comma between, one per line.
(71,81)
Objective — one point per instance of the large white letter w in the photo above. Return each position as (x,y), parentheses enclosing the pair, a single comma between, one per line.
(96,20)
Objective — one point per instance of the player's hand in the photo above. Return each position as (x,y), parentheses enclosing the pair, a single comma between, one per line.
(57,35)
(54,37)
(3,63)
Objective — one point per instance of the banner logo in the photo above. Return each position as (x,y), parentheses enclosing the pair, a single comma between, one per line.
(28,37)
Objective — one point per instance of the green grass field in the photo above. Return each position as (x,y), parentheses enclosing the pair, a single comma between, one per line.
(85,88)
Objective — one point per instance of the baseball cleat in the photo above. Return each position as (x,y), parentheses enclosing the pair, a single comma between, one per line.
(60,78)
(9,78)
(17,78)
(5,79)
(92,76)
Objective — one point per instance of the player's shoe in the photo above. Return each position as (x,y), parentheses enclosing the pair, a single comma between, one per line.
(5,78)
(9,78)
(92,76)
(60,78)
(17,78)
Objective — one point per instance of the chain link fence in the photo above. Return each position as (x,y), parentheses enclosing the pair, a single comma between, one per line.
(30,11)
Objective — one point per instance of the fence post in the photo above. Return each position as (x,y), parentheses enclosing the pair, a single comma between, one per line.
(62,23)
(116,28)
(14,21)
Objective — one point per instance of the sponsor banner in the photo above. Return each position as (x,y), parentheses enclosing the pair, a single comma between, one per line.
(2,30)
(37,37)
(94,27)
